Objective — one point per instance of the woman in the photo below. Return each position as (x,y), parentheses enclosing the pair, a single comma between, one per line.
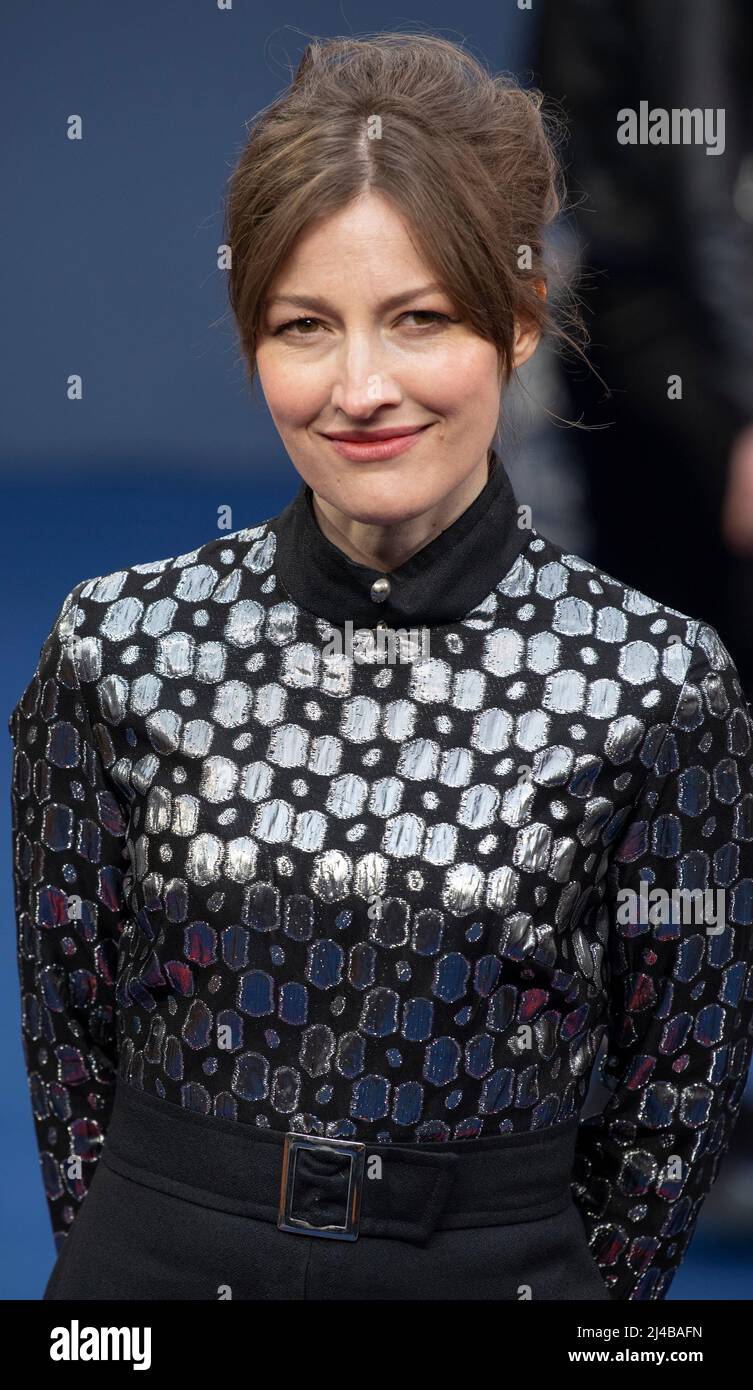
(341,840)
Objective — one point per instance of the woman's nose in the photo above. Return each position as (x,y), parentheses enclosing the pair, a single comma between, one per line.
(362,379)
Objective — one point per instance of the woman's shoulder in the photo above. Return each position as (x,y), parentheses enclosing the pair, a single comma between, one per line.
(632,643)
(172,605)
(146,596)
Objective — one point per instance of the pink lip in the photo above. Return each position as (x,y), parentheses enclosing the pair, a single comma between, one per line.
(378,444)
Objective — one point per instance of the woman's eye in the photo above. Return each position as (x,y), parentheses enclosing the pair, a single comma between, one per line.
(293,323)
(427,314)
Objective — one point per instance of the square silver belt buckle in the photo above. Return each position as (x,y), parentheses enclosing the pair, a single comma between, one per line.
(356,1152)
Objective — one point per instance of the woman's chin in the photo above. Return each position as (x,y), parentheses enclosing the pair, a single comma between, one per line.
(375,504)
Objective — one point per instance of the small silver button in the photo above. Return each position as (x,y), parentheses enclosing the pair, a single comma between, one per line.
(380,589)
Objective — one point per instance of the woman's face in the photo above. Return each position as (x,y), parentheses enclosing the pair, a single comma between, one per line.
(354,338)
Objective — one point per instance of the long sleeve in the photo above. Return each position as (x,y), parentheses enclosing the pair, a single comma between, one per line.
(680,987)
(69,829)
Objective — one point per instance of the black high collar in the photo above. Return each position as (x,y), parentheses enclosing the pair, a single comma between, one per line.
(440,584)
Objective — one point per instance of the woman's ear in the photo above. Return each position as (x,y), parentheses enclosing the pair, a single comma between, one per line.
(526,341)
(527,334)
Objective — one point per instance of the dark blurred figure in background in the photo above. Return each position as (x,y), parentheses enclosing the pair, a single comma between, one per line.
(666,236)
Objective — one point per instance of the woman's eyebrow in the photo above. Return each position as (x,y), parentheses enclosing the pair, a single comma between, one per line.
(314,302)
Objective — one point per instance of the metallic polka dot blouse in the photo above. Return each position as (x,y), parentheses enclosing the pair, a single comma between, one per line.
(311,847)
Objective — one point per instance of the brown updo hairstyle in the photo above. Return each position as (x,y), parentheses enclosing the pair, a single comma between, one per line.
(466,157)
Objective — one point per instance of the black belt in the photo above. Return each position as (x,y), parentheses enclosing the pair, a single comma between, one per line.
(340,1189)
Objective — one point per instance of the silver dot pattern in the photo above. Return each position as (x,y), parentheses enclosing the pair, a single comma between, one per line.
(309,892)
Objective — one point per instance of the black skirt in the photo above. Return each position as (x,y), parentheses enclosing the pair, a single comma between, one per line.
(186,1206)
